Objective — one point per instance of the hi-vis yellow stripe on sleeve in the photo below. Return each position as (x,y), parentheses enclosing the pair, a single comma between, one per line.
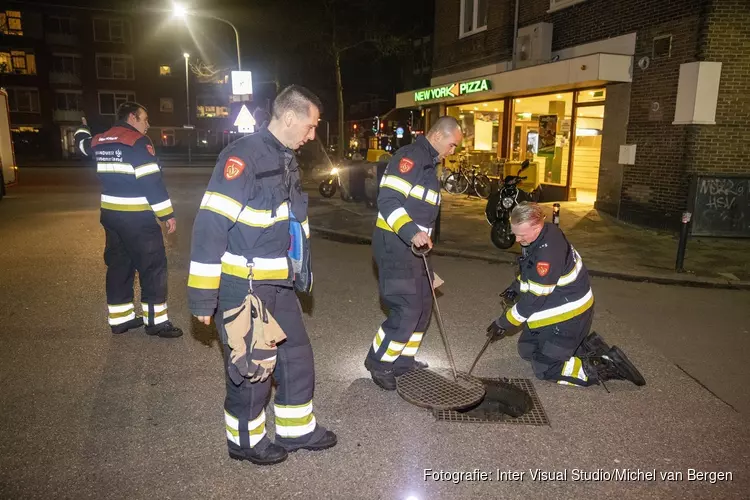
(396,183)
(306,227)
(143,170)
(514,316)
(204,276)
(222,205)
(163,208)
(561,313)
(398,219)
(264,218)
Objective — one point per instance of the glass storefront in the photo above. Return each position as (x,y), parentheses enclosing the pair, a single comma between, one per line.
(559,133)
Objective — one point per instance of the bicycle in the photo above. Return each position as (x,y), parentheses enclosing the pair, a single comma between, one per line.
(459,182)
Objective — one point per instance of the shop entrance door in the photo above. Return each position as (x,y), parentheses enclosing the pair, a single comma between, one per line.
(67,138)
(587,153)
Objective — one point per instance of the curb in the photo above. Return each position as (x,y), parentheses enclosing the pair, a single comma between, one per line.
(356,239)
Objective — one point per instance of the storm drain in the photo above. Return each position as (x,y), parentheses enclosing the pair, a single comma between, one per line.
(535,416)
(436,389)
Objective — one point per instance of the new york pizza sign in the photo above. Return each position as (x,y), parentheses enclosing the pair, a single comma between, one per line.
(452,90)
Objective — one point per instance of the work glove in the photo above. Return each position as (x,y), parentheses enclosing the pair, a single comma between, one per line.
(495,332)
(509,295)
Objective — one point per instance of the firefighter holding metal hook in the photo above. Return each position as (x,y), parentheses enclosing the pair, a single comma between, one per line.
(555,305)
(408,205)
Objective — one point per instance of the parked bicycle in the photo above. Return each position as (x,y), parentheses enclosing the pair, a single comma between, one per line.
(465,179)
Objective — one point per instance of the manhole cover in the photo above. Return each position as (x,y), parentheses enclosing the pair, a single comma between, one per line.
(535,416)
(436,389)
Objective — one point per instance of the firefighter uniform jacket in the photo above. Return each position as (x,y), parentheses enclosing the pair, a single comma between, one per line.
(553,283)
(410,191)
(243,224)
(129,172)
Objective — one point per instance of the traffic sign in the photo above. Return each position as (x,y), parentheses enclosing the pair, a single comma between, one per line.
(245,122)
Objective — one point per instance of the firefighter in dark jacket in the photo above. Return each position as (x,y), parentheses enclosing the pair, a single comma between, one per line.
(408,204)
(555,306)
(241,241)
(133,192)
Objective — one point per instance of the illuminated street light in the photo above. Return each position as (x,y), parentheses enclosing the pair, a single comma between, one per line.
(181,12)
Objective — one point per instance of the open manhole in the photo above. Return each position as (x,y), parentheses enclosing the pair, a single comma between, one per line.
(436,389)
(535,416)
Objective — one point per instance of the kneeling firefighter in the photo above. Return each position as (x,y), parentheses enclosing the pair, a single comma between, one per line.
(555,305)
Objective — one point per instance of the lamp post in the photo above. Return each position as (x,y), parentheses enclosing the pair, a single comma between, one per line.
(187,102)
(182,12)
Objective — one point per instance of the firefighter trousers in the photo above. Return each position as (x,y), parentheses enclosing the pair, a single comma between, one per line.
(244,405)
(552,349)
(405,292)
(134,242)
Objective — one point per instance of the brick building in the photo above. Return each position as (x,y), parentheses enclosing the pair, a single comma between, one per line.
(61,63)
(586,77)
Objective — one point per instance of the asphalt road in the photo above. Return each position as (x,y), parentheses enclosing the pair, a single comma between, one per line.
(89,415)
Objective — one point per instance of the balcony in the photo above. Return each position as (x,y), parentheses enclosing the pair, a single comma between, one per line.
(62,39)
(64,78)
(67,115)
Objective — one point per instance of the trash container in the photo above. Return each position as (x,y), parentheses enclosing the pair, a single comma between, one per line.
(357,174)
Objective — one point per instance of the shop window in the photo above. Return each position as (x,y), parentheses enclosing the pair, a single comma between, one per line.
(165,70)
(19,62)
(482,124)
(114,67)
(10,23)
(68,100)
(473,17)
(540,133)
(111,30)
(593,95)
(110,101)
(167,137)
(23,100)
(166,105)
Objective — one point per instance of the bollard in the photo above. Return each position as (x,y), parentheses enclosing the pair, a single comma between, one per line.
(683,242)
(556,214)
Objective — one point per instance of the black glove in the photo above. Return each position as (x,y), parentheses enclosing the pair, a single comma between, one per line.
(495,331)
(509,295)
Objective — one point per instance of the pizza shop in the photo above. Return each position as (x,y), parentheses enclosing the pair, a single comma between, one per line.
(558,127)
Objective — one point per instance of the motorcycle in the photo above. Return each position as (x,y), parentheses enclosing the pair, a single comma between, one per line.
(331,183)
(501,203)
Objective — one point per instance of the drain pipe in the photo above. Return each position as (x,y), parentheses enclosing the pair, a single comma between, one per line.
(515,38)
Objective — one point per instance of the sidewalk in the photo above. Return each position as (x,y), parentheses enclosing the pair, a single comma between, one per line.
(609,247)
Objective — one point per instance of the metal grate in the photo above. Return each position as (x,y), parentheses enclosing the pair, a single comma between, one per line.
(536,416)
(436,389)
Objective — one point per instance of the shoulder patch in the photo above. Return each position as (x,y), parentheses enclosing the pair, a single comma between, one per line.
(405,165)
(150,149)
(233,168)
(542,268)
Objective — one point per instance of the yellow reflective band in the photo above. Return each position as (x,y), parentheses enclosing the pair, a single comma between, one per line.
(82,131)
(306,227)
(222,205)
(143,170)
(514,317)
(536,288)
(397,184)
(382,224)
(573,274)
(126,208)
(263,218)
(378,340)
(393,351)
(413,345)
(204,282)
(163,208)
(561,313)
(121,314)
(417,192)
(432,197)
(401,222)
(114,168)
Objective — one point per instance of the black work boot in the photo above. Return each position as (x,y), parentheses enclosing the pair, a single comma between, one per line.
(271,454)
(128,325)
(383,378)
(328,440)
(414,365)
(593,344)
(625,367)
(164,330)
(612,365)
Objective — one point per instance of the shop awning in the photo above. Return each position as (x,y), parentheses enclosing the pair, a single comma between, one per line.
(579,72)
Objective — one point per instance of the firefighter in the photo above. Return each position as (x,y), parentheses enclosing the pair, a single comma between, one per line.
(252,212)
(133,192)
(555,305)
(408,204)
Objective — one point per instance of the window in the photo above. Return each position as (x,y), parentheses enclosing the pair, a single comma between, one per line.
(10,23)
(165,70)
(562,4)
(19,62)
(208,107)
(67,100)
(60,25)
(66,63)
(473,17)
(167,137)
(114,67)
(110,101)
(23,100)
(166,105)
(111,30)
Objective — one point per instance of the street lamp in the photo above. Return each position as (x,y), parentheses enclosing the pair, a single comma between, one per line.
(181,12)
(187,102)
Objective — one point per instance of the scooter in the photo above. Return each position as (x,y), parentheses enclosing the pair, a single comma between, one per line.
(501,203)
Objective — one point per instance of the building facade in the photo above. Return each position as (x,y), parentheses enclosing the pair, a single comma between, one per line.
(60,64)
(618,104)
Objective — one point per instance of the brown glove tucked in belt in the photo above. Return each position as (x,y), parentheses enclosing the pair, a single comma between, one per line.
(252,334)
